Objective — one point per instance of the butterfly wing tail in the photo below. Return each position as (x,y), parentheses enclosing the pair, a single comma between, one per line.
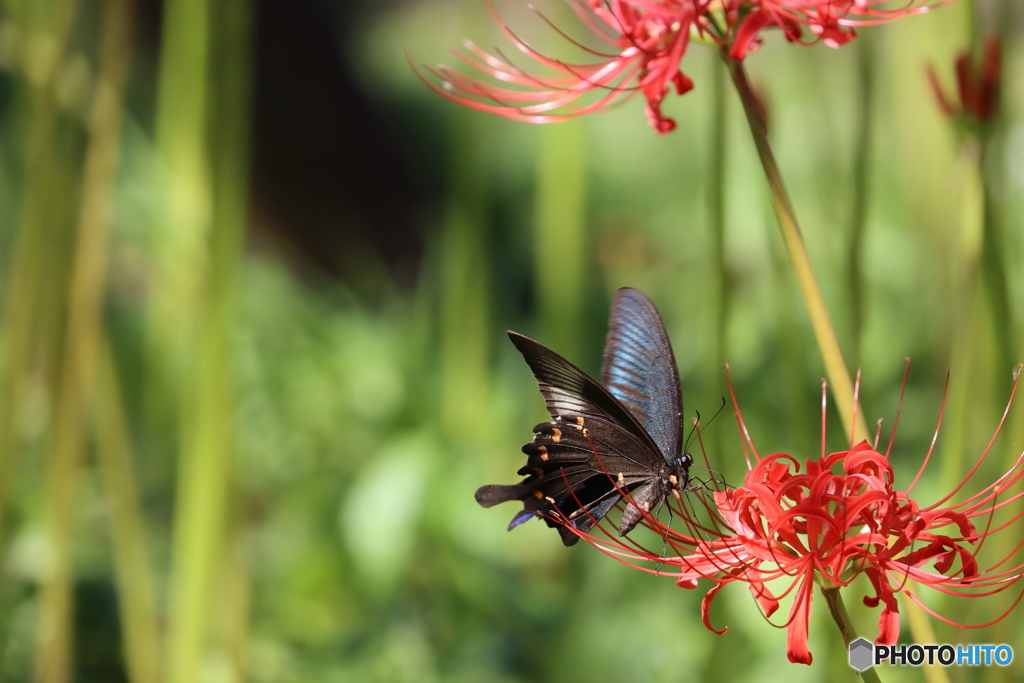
(494,494)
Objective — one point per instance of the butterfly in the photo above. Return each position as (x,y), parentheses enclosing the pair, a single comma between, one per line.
(622,434)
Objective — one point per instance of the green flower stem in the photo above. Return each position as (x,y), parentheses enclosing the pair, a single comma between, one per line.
(84,316)
(464,273)
(207,447)
(861,176)
(181,226)
(561,219)
(464,277)
(136,592)
(20,341)
(828,343)
(179,265)
(837,609)
(993,268)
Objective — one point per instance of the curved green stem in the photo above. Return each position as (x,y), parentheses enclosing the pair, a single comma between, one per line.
(858,216)
(825,334)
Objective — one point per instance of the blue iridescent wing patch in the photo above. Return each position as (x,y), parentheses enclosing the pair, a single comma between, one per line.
(640,370)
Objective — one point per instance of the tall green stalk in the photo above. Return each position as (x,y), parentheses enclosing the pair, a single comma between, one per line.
(560,244)
(184,204)
(966,335)
(207,441)
(236,580)
(179,268)
(464,278)
(49,23)
(861,177)
(136,593)
(993,267)
(81,342)
(825,334)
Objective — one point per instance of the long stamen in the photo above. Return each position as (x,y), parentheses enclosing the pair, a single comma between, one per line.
(984,454)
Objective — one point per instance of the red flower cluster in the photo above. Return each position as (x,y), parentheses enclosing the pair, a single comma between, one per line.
(977,88)
(836,517)
(648,39)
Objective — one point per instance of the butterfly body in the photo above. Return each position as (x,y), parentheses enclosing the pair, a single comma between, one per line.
(604,440)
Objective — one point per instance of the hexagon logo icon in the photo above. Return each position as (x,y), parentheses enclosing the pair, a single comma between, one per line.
(862,654)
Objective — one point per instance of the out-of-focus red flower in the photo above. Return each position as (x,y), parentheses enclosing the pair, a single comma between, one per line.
(828,520)
(646,41)
(977,86)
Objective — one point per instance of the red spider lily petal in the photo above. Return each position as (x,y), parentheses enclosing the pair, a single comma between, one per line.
(969,89)
(651,37)
(705,609)
(989,77)
(992,65)
(824,22)
(748,33)
(977,88)
(747,36)
(889,619)
(799,618)
(944,102)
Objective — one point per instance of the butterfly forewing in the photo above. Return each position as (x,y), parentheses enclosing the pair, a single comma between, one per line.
(639,369)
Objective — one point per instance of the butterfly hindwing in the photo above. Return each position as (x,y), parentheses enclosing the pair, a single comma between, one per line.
(576,467)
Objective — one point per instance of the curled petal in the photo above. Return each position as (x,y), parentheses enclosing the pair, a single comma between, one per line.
(747,35)
(889,619)
(799,616)
(705,608)
(764,597)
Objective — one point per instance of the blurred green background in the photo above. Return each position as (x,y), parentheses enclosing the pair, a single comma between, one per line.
(256,279)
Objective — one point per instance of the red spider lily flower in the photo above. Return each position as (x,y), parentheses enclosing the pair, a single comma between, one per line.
(977,87)
(647,40)
(828,520)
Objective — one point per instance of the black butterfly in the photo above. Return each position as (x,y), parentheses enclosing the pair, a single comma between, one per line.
(603,439)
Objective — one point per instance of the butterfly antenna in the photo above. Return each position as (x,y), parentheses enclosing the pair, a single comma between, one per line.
(704,452)
(696,429)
